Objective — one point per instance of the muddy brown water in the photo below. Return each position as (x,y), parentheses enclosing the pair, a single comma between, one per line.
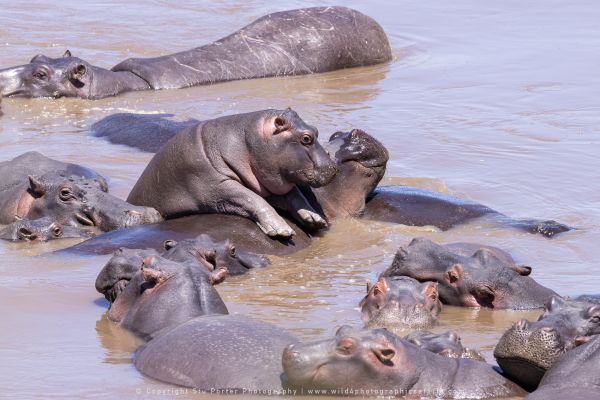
(497,103)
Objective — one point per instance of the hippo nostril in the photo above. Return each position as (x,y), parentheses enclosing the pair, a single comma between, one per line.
(547,329)
(26,234)
(133,212)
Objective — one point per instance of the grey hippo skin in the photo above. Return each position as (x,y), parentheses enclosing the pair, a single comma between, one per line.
(487,277)
(35,186)
(574,376)
(164,294)
(295,42)
(219,259)
(528,349)
(447,344)
(218,352)
(229,165)
(379,363)
(399,303)
(360,160)
(41,229)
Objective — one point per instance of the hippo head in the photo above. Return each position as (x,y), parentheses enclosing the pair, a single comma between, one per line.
(447,344)
(481,280)
(285,152)
(164,293)
(66,76)
(361,160)
(80,202)
(42,229)
(220,258)
(399,303)
(528,349)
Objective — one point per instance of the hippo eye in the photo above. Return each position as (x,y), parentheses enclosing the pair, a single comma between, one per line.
(232,251)
(65,194)
(40,74)
(56,231)
(306,139)
(595,320)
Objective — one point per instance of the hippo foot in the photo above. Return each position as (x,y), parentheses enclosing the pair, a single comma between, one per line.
(311,219)
(275,226)
(547,228)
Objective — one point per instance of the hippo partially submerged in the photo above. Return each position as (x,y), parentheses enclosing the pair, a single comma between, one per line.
(528,349)
(35,186)
(41,229)
(447,344)
(379,363)
(488,277)
(296,42)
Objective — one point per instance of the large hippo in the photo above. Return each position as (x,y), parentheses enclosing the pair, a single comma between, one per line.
(574,376)
(35,186)
(295,42)
(399,303)
(41,229)
(528,349)
(229,165)
(379,363)
(164,294)
(447,344)
(222,354)
(485,278)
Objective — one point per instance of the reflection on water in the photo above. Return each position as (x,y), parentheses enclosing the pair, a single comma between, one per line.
(495,102)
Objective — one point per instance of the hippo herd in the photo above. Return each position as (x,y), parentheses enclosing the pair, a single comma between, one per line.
(221,195)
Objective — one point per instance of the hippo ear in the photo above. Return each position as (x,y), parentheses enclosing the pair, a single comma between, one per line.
(415,341)
(153,276)
(217,276)
(381,287)
(169,244)
(430,292)
(77,71)
(522,270)
(369,286)
(555,303)
(36,187)
(280,124)
(454,275)
(452,336)
(67,54)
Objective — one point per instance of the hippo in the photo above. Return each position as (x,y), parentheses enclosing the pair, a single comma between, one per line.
(484,279)
(163,294)
(36,186)
(399,303)
(230,164)
(378,363)
(528,349)
(41,229)
(574,376)
(447,344)
(224,354)
(294,42)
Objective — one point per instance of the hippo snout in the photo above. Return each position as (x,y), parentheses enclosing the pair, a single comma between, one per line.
(324,175)
(141,216)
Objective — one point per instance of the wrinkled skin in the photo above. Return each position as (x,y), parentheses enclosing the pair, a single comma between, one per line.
(484,279)
(447,344)
(361,161)
(36,186)
(164,294)
(399,303)
(574,376)
(231,164)
(383,362)
(528,349)
(295,42)
(42,229)
(217,352)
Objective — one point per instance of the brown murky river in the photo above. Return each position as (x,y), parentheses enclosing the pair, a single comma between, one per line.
(497,103)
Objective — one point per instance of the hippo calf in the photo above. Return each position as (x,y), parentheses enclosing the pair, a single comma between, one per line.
(488,278)
(447,344)
(218,352)
(528,349)
(379,363)
(41,229)
(399,303)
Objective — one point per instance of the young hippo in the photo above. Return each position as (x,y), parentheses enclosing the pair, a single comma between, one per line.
(574,376)
(379,363)
(218,352)
(231,164)
(164,294)
(447,344)
(488,278)
(528,349)
(35,186)
(399,303)
(41,229)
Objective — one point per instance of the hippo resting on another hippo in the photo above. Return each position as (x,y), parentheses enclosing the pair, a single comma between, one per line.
(218,352)
(41,229)
(220,259)
(295,42)
(470,275)
(574,376)
(35,186)
(379,363)
(446,344)
(528,349)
